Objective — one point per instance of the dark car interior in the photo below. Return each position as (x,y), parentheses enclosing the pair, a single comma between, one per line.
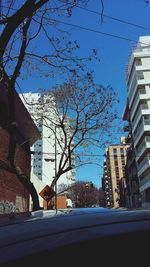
(119,249)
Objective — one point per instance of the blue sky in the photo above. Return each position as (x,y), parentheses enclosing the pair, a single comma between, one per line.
(113,52)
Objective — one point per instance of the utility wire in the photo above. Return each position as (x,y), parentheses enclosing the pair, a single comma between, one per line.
(89,155)
(116,19)
(97,13)
(109,17)
(96,31)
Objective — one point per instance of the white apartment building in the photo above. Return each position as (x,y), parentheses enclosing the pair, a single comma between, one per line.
(46,151)
(138,82)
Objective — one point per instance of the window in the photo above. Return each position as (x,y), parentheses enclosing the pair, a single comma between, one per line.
(115,151)
(142,91)
(123,162)
(121,151)
(115,160)
(138,62)
(147,119)
(144,104)
(140,75)
(117,169)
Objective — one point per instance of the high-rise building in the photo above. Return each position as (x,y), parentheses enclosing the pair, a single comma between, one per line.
(132,184)
(114,175)
(47,150)
(137,113)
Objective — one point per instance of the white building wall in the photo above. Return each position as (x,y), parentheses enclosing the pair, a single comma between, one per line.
(43,160)
(138,80)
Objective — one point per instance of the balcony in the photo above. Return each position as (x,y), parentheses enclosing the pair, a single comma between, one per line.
(143,146)
(142,49)
(138,62)
(144,126)
(144,106)
(143,165)
(142,91)
(139,75)
(144,109)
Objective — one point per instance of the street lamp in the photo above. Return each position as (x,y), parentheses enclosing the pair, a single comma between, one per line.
(56,126)
(49,160)
(55,159)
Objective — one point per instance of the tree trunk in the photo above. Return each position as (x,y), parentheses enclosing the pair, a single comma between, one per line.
(31,189)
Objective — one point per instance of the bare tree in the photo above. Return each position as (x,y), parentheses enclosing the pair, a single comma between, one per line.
(23,25)
(83,114)
(84,194)
(62,188)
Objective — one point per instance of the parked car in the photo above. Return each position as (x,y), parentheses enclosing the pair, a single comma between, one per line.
(76,236)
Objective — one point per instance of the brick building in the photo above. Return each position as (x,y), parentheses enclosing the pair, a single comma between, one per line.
(15,176)
(114,175)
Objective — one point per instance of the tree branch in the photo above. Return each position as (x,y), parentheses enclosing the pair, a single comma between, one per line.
(26,11)
(22,51)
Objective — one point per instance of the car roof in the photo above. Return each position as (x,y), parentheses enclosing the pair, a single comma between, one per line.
(49,229)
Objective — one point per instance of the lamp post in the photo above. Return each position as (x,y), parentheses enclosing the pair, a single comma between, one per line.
(55,168)
(55,159)
(56,126)
(48,160)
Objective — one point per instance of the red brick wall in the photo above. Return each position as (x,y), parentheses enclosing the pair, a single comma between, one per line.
(13,194)
(61,202)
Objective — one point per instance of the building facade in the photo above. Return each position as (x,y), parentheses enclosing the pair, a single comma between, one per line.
(137,113)
(47,150)
(114,176)
(132,182)
(15,184)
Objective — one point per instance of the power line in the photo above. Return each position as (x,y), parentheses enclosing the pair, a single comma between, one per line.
(89,155)
(117,19)
(104,15)
(97,13)
(99,32)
